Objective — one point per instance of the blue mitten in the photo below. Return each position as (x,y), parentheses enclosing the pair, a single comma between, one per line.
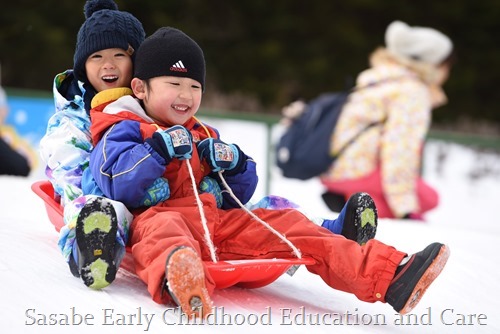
(178,141)
(159,191)
(219,155)
(210,185)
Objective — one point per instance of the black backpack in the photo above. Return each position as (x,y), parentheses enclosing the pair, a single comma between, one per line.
(303,151)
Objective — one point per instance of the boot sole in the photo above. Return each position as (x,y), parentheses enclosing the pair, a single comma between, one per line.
(365,219)
(431,273)
(186,282)
(96,229)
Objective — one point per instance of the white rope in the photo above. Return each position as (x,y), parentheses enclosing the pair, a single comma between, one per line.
(208,239)
(254,216)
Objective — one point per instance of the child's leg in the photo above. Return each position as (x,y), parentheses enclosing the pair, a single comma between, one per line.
(96,229)
(414,276)
(357,221)
(67,236)
(366,271)
(427,196)
(360,225)
(154,236)
(371,184)
(185,281)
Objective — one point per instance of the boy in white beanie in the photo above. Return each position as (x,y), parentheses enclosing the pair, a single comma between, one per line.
(155,134)
(397,94)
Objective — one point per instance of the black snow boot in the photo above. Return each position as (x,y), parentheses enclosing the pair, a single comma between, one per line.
(414,277)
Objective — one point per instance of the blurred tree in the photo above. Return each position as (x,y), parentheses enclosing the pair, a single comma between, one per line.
(271,51)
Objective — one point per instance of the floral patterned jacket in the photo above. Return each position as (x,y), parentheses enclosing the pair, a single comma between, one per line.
(398,99)
(66,145)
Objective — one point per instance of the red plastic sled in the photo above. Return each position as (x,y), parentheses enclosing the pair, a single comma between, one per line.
(249,274)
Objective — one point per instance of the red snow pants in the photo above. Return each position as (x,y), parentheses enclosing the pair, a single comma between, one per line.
(365,271)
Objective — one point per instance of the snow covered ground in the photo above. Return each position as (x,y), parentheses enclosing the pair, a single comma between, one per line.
(37,289)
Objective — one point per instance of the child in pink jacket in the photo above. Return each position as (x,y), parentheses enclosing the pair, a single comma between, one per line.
(397,93)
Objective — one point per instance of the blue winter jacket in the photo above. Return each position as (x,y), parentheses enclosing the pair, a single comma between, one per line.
(124,165)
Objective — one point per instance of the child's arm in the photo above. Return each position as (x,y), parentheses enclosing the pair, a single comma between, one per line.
(242,184)
(239,169)
(124,166)
(66,145)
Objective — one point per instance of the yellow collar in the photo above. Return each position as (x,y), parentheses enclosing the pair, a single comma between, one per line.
(109,95)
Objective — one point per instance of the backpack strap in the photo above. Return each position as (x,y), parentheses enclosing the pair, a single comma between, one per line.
(368,126)
(346,145)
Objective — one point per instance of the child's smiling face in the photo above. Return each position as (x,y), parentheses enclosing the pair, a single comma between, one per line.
(109,68)
(169,100)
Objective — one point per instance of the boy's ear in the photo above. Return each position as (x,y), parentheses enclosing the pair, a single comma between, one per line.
(138,88)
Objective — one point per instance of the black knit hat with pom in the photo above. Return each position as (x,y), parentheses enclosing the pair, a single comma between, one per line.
(105,27)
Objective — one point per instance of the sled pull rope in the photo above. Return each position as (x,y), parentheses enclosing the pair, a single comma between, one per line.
(254,216)
(208,239)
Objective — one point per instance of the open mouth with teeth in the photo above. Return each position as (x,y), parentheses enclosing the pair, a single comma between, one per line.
(180,108)
(110,78)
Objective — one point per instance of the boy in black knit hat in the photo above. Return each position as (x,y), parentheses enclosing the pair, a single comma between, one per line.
(156,135)
(105,50)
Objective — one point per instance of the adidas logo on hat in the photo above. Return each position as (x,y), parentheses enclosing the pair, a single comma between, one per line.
(161,53)
(178,67)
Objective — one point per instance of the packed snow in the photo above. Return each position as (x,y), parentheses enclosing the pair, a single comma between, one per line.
(39,295)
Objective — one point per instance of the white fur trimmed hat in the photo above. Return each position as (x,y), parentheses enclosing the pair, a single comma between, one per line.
(418,43)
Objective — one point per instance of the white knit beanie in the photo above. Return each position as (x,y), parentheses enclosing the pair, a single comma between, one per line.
(418,43)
